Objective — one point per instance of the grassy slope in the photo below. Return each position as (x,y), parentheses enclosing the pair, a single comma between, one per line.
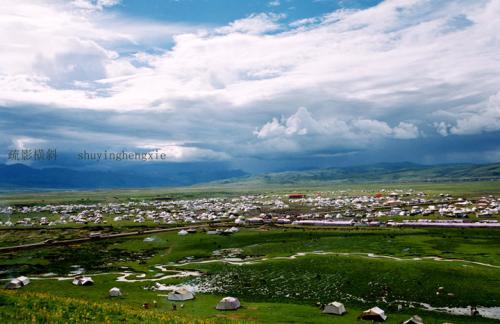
(373,173)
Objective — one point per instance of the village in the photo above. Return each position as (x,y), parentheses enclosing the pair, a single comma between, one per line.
(395,208)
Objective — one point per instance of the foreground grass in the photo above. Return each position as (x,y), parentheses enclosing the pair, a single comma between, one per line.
(37,307)
(93,306)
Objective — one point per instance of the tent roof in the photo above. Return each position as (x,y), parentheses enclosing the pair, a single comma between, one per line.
(375,311)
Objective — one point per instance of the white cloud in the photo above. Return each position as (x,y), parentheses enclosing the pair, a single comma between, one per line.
(484,119)
(406,131)
(364,75)
(303,127)
(254,24)
(387,55)
(52,49)
(442,128)
(94,4)
(180,153)
(25,142)
(300,123)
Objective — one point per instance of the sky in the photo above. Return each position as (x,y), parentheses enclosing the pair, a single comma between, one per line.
(256,85)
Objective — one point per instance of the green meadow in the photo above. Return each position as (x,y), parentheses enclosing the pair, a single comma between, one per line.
(280,275)
(458,189)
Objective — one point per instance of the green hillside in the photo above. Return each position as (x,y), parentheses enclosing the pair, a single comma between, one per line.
(386,172)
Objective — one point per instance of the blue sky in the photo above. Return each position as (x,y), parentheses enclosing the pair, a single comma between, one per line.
(221,12)
(257,85)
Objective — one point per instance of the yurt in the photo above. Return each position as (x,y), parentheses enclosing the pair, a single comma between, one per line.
(17,282)
(228,303)
(180,294)
(24,280)
(115,292)
(83,281)
(415,319)
(334,308)
(374,314)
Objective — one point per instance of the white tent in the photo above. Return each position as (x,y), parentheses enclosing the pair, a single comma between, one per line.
(228,303)
(239,221)
(24,280)
(180,294)
(83,281)
(115,292)
(183,232)
(415,319)
(334,308)
(374,314)
(17,283)
(13,284)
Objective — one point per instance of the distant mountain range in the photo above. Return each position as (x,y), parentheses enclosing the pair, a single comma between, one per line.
(382,172)
(19,176)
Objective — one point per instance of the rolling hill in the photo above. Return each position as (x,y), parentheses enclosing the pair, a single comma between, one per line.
(382,172)
(19,176)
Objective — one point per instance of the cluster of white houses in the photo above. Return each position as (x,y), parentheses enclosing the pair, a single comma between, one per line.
(298,209)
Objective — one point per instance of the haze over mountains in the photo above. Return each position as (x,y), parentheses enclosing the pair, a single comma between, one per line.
(22,176)
(19,176)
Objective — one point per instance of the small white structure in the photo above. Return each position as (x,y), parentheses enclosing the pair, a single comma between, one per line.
(415,319)
(334,308)
(115,292)
(13,284)
(182,232)
(228,303)
(83,281)
(239,221)
(181,294)
(24,280)
(17,282)
(374,314)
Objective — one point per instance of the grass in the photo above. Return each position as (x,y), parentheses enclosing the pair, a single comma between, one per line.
(458,189)
(277,290)
(356,280)
(40,307)
(66,302)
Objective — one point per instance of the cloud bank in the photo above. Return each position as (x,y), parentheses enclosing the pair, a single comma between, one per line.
(349,80)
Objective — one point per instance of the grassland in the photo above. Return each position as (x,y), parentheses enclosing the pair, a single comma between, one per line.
(273,288)
(469,189)
(280,274)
